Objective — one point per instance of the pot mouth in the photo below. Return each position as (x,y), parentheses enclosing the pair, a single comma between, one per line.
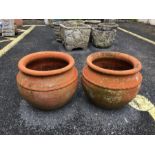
(75,25)
(107,26)
(114,63)
(46,63)
(90,21)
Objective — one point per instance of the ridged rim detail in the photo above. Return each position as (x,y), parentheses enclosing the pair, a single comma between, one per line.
(45,54)
(137,66)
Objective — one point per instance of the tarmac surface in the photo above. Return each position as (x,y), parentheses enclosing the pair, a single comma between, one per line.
(79,116)
(142,29)
(6,40)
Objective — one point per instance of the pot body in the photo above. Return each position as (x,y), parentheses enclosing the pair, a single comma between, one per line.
(48,92)
(110,91)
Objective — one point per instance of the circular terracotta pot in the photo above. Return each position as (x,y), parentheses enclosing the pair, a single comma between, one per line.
(18,22)
(47,79)
(111,79)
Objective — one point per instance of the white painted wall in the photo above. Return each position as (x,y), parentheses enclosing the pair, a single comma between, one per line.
(152,21)
(148,21)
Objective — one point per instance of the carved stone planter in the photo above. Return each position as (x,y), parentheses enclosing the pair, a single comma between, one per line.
(75,35)
(8,27)
(47,80)
(93,23)
(111,79)
(56,28)
(104,35)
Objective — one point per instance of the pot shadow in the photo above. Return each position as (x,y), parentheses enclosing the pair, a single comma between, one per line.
(34,117)
(111,121)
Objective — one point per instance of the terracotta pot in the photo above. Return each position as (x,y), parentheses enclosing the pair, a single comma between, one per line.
(18,22)
(111,79)
(47,79)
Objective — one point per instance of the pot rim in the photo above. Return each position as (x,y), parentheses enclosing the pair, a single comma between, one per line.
(45,54)
(137,66)
(82,26)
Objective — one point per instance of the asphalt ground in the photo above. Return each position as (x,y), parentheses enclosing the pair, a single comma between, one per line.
(142,29)
(33,22)
(6,40)
(79,116)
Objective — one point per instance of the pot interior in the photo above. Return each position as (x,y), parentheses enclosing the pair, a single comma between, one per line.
(113,64)
(47,64)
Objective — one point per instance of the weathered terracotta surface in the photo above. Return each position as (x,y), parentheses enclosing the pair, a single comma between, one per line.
(48,79)
(111,79)
(18,22)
